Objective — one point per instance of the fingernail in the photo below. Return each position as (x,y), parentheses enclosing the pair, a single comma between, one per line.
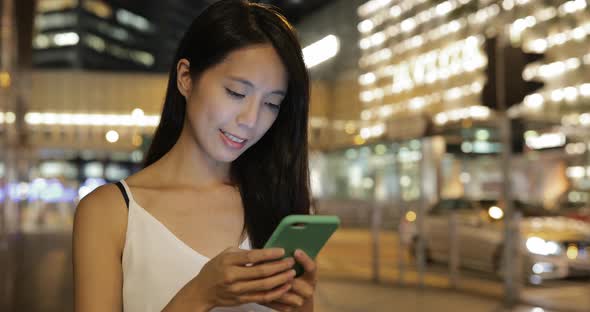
(298,252)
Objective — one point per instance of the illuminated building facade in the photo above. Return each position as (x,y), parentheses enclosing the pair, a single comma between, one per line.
(92,34)
(420,57)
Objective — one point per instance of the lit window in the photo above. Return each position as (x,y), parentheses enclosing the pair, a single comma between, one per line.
(55,5)
(131,19)
(55,20)
(98,8)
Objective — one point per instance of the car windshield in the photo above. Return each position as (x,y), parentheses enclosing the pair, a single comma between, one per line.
(447,205)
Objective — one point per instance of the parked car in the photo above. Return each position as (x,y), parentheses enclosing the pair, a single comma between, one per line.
(551,246)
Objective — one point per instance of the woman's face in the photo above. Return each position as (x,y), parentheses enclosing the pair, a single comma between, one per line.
(232,105)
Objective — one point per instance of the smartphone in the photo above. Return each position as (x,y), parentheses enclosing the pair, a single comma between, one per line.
(306,232)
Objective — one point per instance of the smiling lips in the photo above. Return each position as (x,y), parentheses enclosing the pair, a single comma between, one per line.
(232,140)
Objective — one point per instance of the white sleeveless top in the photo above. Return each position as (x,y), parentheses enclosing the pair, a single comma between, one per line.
(157,264)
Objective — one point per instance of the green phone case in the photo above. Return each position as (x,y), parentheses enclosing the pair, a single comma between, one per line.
(306,232)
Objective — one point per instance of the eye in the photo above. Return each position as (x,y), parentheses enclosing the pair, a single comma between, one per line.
(234,94)
(273,106)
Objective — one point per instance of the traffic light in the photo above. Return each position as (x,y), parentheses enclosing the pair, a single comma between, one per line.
(516,88)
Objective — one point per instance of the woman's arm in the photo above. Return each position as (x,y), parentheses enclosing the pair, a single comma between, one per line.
(187,299)
(100,223)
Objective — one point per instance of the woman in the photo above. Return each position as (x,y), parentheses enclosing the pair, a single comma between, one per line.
(227,163)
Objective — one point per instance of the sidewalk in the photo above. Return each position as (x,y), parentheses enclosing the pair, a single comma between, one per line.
(362,296)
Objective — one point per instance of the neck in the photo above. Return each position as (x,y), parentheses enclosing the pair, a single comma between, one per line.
(187,164)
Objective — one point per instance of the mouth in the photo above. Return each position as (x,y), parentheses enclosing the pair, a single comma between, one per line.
(232,140)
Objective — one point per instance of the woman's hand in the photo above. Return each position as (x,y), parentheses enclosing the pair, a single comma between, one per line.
(302,288)
(238,276)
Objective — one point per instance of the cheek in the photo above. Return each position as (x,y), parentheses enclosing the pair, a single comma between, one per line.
(206,111)
(193,114)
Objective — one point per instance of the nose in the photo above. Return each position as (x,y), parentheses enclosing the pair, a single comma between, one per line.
(248,116)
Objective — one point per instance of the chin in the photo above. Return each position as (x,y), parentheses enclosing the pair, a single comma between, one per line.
(223,157)
(227,156)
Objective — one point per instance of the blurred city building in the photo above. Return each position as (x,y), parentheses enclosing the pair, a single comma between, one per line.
(413,69)
(410,124)
(94,35)
(118,35)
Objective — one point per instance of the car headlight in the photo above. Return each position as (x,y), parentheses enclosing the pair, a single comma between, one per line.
(540,246)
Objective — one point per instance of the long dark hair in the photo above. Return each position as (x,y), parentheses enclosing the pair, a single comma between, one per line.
(272,175)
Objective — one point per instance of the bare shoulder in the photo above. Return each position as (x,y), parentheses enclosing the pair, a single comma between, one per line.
(103,209)
(100,223)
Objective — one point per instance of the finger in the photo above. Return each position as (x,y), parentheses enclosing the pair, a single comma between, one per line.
(302,288)
(291,299)
(263,284)
(265,296)
(255,256)
(280,307)
(260,270)
(232,249)
(308,264)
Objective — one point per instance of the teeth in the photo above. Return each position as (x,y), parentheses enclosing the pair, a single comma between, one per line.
(231,137)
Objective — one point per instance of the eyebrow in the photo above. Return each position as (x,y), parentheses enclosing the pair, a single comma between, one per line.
(248,83)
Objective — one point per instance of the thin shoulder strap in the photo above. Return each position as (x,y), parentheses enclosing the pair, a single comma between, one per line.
(124,192)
